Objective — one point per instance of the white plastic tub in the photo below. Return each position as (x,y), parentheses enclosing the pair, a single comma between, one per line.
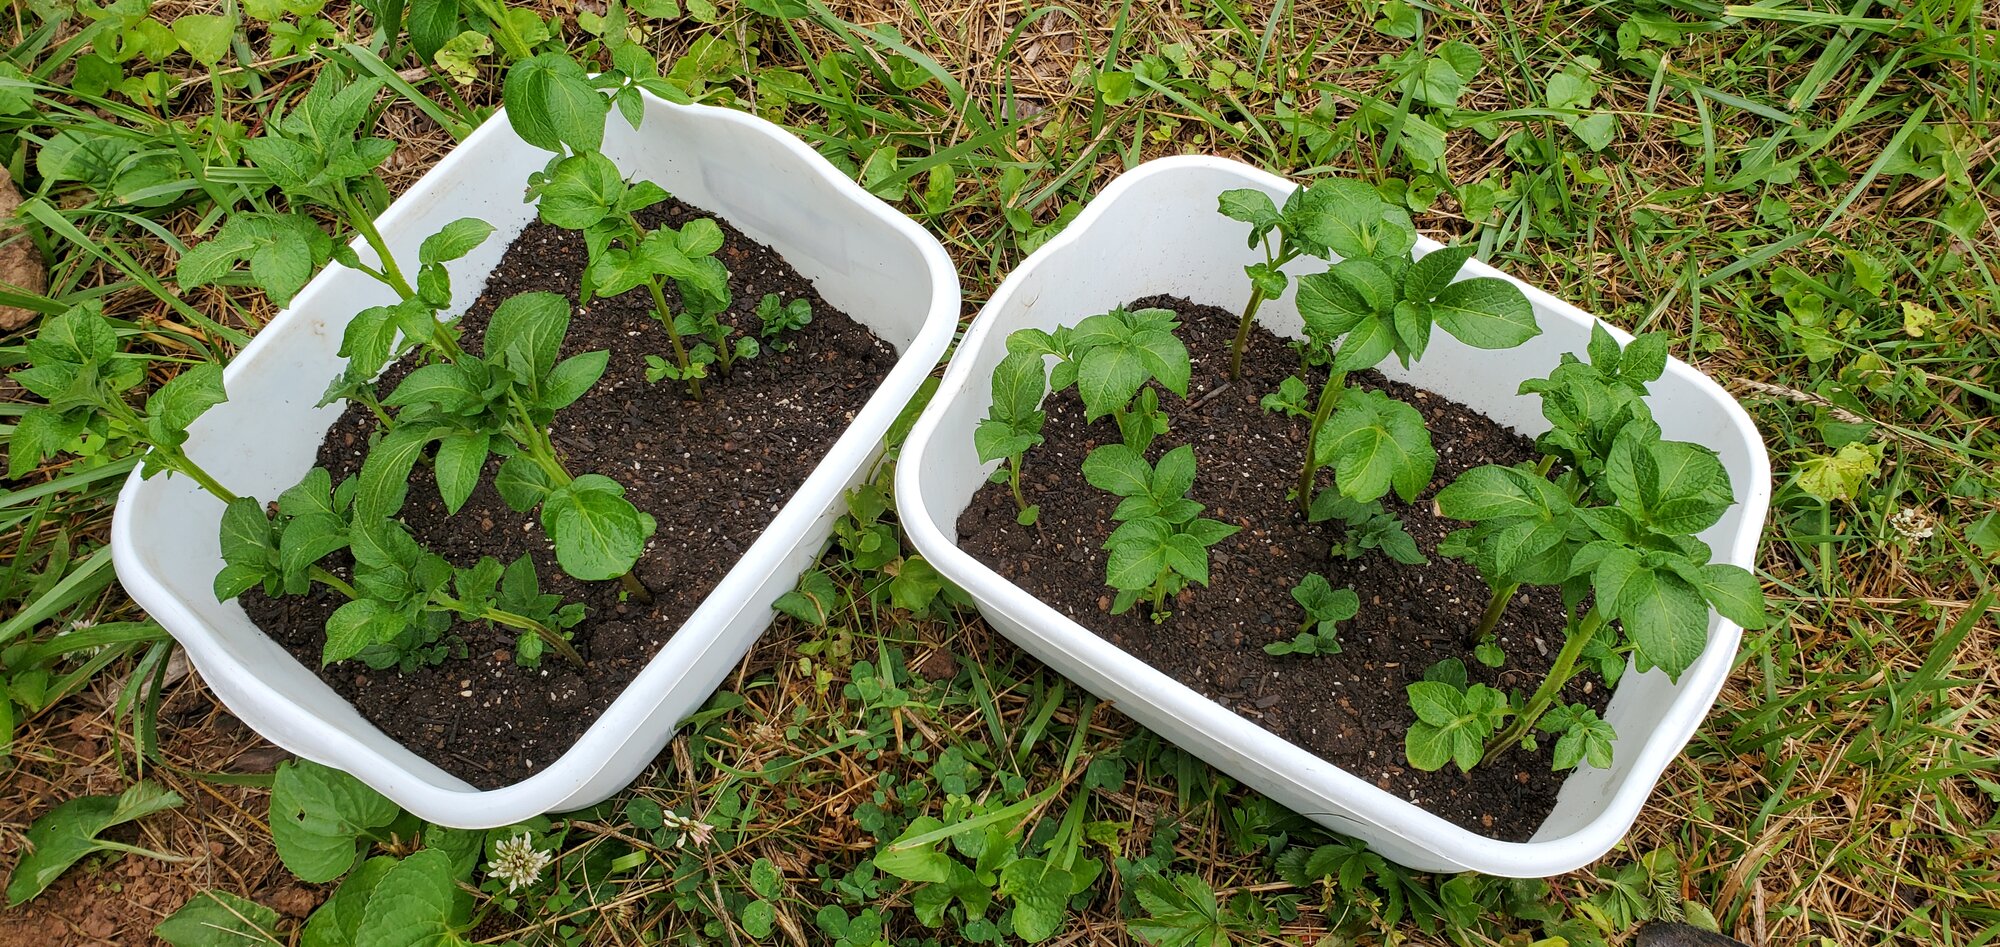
(863,256)
(1156,230)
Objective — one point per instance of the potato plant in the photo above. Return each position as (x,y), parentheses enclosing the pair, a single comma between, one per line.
(1613,529)
(1608,515)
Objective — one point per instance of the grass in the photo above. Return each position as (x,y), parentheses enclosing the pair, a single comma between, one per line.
(1801,193)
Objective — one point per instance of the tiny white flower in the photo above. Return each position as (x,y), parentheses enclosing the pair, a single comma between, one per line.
(691,829)
(1912,524)
(518,862)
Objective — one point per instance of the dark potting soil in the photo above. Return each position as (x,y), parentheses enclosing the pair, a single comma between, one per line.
(712,472)
(1350,708)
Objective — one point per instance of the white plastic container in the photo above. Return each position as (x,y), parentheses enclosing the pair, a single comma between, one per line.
(865,258)
(1156,230)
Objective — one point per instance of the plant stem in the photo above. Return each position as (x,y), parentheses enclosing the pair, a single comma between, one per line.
(634,588)
(1329,397)
(1552,685)
(667,319)
(1250,308)
(544,632)
(357,216)
(1495,607)
(1014,481)
(334,582)
(542,450)
(1243,332)
(510,38)
(182,464)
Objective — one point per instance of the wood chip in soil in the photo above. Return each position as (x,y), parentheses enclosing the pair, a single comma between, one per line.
(1351,708)
(712,472)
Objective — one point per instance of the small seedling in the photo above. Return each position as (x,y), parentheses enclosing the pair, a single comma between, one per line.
(775,318)
(1161,543)
(1580,736)
(1326,607)
(1454,719)
(1369,527)
(1014,422)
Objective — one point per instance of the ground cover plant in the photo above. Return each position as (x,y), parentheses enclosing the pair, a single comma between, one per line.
(1795,198)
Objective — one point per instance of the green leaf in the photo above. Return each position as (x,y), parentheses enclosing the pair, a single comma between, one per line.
(1323,602)
(220,919)
(1734,593)
(418,903)
(1666,617)
(580,191)
(65,834)
(335,923)
(1041,894)
(551,104)
(1428,276)
(321,817)
(455,239)
(246,533)
(1434,702)
(1375,442)
(1330,307)
(186,396)
(573,377)
(1428,747)
(916,584)
(533,323)
(461,458)
(1370,341)
(1019,382)
(522,483)
(919,863)
(1249,205)
(1139,555)
(308,539)
(205,36)
(598,533)
(1842,475)
(1118,470)
(385,472)
(1488,493)
(1485,312)
(1644,358)
(1107,378)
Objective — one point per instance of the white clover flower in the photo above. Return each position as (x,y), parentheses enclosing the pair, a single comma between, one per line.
(518,862)
(691,829)
(1912,524)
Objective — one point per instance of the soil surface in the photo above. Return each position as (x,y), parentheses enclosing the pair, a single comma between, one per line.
(712,472)
(1351,708)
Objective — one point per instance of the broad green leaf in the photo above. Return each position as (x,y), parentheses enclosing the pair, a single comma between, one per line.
(1429,275)
(1843,474)
(1174,475)
(1485,312)
(418,903)
(1107,378)
(1487,493)
(461,458)
(320,817)
(580,191)
(1019,382)
(1734,593)
(922,863)
(385,472)
(205,36)
(1251,206)
(1041,894)
(309,538)
(245,535)
(220,919)
(1434,702)
(65,834)
(997,440)
(186,396)
(1666,617)
(1368,281)
(1137,560)
(1330,307)
(534,323)
(522,483)
(455,239)
(1366,345)
(1118,470)
(551,104)
(1428,747)
(443,383)
(335,922)
(573,377)
(598,533)
(1644,358)
(1374,442)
